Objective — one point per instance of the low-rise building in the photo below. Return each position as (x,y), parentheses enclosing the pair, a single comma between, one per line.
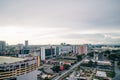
(19,68)
(47,51)
(101,74)
(81,49)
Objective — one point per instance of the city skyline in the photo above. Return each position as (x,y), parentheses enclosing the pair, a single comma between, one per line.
(54,22)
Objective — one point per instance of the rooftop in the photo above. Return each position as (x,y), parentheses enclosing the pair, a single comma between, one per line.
(4,59)
(101,74)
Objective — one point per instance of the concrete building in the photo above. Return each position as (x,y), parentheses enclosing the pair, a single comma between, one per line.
(47,52)
(42,53)
(12,68)
(23,49)
(26,44)
(65,49)
(98,62)
(20,46)
(74,48)
(36,52)
(81,49)
(101,74)
(57,50)
(24,52)
(2,46)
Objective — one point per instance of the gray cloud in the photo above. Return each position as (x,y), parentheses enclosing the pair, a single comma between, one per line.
(85,36)
(99,17)
(95,38)
(60,13)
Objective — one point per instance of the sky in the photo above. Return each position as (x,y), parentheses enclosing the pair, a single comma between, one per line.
(57,21)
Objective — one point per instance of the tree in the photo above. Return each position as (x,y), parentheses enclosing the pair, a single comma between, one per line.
(56,68)
(90,63)
(118,64)
(90,54)
(95,64)
(66,66)
(107,52)
(46,78)
(79,57)
(114,57)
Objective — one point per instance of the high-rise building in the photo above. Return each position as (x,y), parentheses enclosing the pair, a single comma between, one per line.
(42,53)
(2,46)
(26,44)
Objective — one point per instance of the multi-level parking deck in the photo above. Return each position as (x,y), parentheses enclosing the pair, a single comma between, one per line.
(11,67)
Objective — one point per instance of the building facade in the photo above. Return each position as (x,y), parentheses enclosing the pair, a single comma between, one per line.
(65,49)
(2,46)
(26,44)
(18,68)
(81,49)
(47,52)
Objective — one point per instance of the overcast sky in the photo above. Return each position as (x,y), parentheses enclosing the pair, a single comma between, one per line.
(56,21)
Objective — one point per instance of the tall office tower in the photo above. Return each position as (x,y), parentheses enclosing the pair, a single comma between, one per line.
(26,44)
(2,46)
(42,53)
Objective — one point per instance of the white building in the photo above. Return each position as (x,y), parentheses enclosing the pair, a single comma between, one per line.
(101,74)
(42,53)
(65,49)
(47,51)
(99,62)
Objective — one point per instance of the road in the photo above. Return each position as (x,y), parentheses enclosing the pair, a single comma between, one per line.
(117,71)
(71,68)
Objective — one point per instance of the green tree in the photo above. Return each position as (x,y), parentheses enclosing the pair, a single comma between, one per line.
(46,78)
(90,54)
(95,64)
(56,68)
(111,57)
(66,66)
(90,63)
(106,53)
(79,57)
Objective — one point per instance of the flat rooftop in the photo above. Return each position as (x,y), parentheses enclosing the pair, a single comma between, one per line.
(4,59)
